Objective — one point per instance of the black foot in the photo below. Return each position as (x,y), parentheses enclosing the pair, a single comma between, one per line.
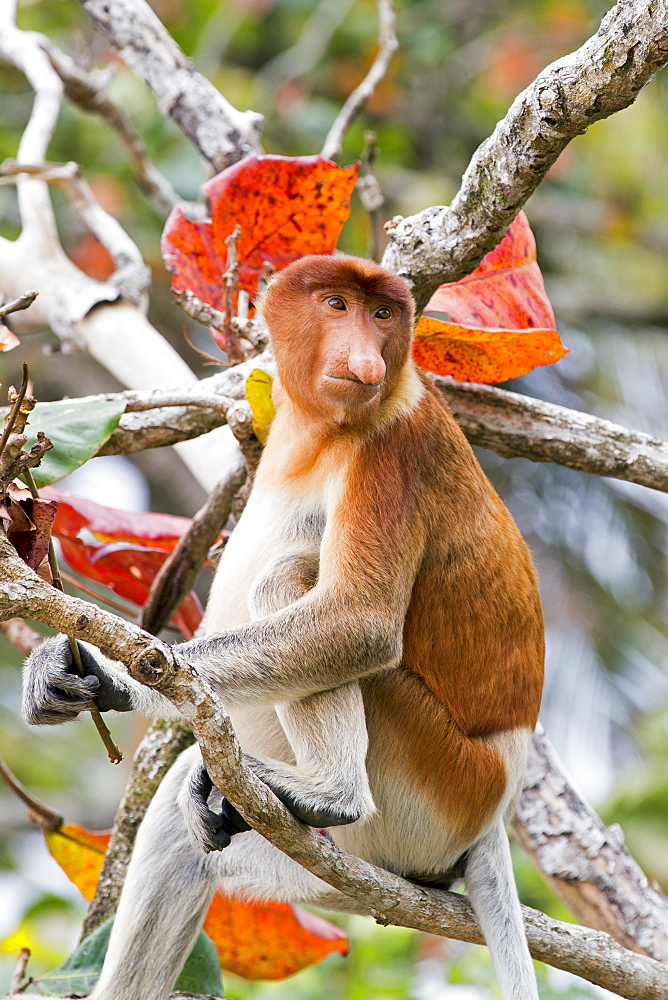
(221,826)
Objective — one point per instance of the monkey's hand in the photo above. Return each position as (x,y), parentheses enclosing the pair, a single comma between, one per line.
(212,831)
(53,692)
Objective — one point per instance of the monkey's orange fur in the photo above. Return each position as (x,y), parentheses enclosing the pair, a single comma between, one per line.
(416,515)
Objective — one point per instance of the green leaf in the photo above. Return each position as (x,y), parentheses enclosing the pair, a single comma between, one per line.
(77,430)
(80,971)
(201,973)
(258,394)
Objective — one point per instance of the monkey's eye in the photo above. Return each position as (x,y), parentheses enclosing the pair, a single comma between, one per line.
(383,313)
(336,302)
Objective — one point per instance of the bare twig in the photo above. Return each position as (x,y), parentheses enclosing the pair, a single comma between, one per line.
(114,754)
(231,279)
(371,195)
(221,133)
(38,811)
(12,417)
(199,310)
(388,45)
(24,301)
(88,91)
(16,984)
(179,571)
(604,76)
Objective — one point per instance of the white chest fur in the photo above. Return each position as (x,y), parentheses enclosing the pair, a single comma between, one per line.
(275,523)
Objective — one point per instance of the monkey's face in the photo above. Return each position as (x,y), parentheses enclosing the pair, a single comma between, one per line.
(349,370)
(341,330)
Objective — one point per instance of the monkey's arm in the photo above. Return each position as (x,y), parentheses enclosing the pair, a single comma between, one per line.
(350,625)
(54,693)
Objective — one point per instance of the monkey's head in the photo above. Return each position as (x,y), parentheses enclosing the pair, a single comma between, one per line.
(341,329)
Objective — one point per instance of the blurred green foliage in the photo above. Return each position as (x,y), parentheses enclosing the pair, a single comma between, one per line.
(601,220)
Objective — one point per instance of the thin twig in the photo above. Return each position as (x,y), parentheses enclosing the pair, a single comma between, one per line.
(22,302)
(199,310)
(87,90)
(231,279)
(179,571)
(10,419)
(388,46)
(16,984)
(74,581)
(114,754)
(371,195)
(39,812)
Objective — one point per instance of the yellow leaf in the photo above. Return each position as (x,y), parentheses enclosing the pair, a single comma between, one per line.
(80,854)
(258,394)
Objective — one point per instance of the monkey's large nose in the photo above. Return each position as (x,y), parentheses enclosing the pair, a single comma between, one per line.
(367,366)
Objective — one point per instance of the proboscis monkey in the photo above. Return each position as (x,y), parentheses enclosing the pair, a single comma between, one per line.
(375,631)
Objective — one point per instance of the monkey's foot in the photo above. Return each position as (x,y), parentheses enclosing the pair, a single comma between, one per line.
(221,827)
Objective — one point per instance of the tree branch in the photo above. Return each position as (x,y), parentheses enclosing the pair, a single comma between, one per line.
(584,862)
(605,75)
(222,134)
(156,753)
(387,897)
(388,45)
(505,422)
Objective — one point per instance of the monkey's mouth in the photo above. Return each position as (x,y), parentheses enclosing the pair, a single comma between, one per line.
(351,380)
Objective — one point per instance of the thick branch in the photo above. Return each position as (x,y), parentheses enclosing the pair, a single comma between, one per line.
(586,863)
(389,898)
(506,422)
(222,134)
(604,76)
(156,753)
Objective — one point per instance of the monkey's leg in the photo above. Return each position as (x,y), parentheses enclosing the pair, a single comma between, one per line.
(491,889)
(167,892)
(328,785)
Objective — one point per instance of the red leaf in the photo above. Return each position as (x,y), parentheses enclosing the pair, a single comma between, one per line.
(286,207)
(157,531)
(501,323)
(122,550)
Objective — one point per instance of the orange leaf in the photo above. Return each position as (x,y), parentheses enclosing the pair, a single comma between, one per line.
(254,940)
(483,355)
(286,207)
(269,940)
(497,322)
(79,853)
